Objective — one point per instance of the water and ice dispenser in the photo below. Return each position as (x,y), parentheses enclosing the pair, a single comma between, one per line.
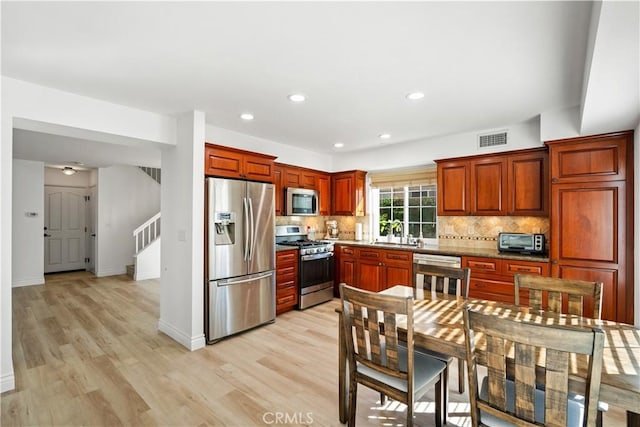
(225,224)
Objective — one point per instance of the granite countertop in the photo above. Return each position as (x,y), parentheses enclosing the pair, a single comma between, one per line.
(447,250)
(285,248)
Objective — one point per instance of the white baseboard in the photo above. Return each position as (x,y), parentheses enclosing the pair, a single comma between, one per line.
(29,281)
(145,275)
(191,343)
(112,272)
(7,382)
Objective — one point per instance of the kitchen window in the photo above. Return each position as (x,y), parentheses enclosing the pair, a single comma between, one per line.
(403,202)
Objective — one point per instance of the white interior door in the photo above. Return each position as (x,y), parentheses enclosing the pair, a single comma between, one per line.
(64,229)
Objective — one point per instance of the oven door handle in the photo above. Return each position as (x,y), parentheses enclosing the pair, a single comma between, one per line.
(316,256)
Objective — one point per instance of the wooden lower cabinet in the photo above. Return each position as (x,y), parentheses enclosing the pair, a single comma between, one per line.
(492,278)
(373,269)
(286,280)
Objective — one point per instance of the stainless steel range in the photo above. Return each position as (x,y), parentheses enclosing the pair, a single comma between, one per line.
(315,265)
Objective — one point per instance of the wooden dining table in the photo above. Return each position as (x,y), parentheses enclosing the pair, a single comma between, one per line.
(438,326)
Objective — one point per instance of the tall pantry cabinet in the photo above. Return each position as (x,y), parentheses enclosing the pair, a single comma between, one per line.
(592,216)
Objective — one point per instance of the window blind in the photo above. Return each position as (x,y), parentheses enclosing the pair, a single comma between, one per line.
(421,175)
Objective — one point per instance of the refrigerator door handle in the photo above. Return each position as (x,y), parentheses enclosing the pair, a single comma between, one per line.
(253,230)
(245,228)
(246,279)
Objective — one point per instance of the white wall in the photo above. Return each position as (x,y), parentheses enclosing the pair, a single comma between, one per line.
(127,197)
(521,135)
(27,231)
(284,153)
(182,253)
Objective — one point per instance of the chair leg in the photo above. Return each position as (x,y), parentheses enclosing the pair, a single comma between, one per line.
(383,398)
(353,397)
(410,412)
(599,419)
(461,375)
(440,418)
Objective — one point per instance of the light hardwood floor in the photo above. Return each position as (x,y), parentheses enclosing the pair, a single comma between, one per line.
(87,351)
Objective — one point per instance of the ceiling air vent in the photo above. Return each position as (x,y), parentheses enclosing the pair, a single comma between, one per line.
(492,139)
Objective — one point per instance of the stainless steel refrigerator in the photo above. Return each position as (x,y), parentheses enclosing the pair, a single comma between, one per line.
(241,265)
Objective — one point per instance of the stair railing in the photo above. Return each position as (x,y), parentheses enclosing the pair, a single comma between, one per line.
(147,232)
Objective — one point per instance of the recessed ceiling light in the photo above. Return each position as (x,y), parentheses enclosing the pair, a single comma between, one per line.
(338,145)
(384,136)
(246,116)
(414,96)
(297,97)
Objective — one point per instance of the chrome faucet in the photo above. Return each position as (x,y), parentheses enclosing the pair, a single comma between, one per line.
(401,231)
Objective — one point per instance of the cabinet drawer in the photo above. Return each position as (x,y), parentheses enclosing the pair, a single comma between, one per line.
(286,285)
(491,289)
(286,257)
(286,270)
(369,254)
(482,265)
(398,256)
(347,250)
(511,267)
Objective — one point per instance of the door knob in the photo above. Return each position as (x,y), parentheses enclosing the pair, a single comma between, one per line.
(47,235)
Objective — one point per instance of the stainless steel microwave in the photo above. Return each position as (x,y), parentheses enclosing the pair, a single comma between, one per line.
(301,201)
(526,243)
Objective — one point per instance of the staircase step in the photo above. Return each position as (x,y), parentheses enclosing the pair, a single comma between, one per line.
(131,270)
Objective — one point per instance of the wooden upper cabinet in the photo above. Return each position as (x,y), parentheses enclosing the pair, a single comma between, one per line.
(278,172)
(323,182)
(514,183)
(348,193)
(488,186)
(592,158)
(300,178)
(528,183)
(454,179)
(234,163)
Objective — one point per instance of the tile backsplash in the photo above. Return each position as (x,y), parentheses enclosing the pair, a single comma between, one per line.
(483,230)
(346,225)
(476,231)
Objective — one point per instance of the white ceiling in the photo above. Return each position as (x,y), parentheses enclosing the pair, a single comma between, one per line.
(481,65)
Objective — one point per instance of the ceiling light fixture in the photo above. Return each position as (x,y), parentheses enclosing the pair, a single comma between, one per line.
(338,145)
(68,170)
(297,97)
(414,96)
(384,136)
(246,116)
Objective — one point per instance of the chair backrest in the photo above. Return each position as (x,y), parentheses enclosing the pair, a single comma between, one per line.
(370,328)
(556,289)
(503,343)
(447,280)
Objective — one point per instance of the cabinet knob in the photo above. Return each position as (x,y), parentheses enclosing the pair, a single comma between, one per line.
(554,262)
(554,180)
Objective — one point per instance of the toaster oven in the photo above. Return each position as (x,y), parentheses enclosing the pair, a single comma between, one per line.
(524,243)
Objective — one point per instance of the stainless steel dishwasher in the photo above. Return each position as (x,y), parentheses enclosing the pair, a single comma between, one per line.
(440,260)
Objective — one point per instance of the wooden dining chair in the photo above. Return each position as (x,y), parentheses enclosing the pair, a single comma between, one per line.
(447,280)
(377,361)
(557,289)
(498,400)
